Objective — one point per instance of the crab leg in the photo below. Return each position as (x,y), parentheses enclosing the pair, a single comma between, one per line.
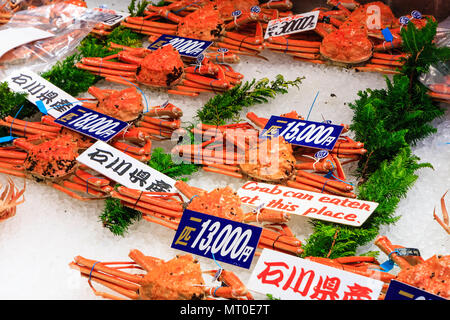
(290,48)
(78,185)
(127,284)
(233,289)
(445,223)
(68,186)
(256,39)
(169,110)
(145,150)
(174,124)
(164,133)
(173,208)
(364,271)
(268,215)
(287,42)
(388,248)
(226,57)
(25,128)
(332,183)
(324,186)
(281,4)
(377,68)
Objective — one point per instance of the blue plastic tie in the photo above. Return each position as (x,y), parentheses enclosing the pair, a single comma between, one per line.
(92,269)
(10,137)
(312,105)
(218,273)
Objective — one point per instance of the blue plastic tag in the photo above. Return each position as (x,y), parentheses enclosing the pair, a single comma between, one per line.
(226,240)
(91,123)
(416,14)
(6,139)
(303,132)
(404,20)
(387,35)
(321,154)
(387,265)
(41,106)
(236,13)
(402,252)
(255,9)
(185,46)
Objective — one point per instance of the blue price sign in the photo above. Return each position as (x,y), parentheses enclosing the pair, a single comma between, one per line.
(213,237)
(185,46)
(91,123)
(311,134)
(401,291)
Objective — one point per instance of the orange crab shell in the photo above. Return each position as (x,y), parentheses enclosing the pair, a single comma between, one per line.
(370,16)
(220,202)
(204,24)
(274,165)
(53,159)
(125,104)
(161,68)
(349,44)
(177,279)
(433,275)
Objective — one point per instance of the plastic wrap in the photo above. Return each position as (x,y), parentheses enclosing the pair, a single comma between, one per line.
(438,77)
(68,23)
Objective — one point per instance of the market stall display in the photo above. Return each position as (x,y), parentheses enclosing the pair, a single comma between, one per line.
(334,190)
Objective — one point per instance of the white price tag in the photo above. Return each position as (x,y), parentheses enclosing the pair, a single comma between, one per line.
(111,17)
(292,278)
(55,100)
(125,169)
(292,24)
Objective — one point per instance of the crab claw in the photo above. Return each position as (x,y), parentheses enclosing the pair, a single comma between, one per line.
(445,222)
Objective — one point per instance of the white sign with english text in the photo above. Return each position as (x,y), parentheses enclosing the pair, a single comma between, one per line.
(306,203)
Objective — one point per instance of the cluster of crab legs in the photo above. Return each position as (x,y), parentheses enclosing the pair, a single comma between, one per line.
(47,151)
(181,277)
(350,34)
(9,9)
(347,32)
(34,157)
(236,26)
(162,68)
(271,160)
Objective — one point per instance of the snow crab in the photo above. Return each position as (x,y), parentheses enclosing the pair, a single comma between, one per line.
(164,68)
(50,160)
(53,160)
(47,151)
(9,200)
(234,25)
(225,203)
(177,279)
(431,275)
(221,202)
(157,123)
(350,38)
(270,160)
